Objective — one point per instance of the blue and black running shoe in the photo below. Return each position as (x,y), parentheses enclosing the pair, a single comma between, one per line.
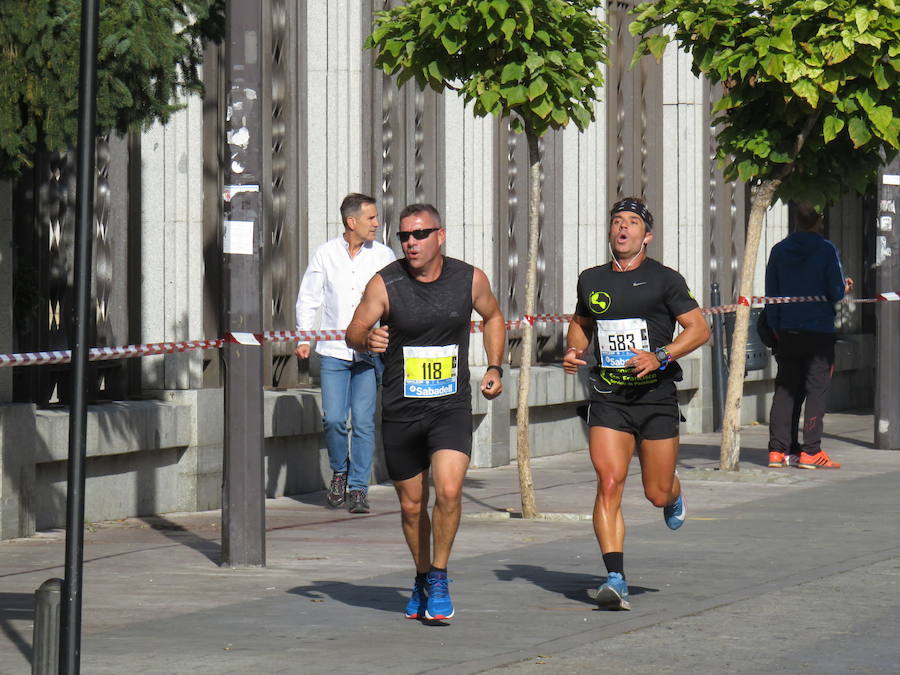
(415,608)
(439,605)
(613,594)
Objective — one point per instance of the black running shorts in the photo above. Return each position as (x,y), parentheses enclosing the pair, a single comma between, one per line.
(651,420)
(408,446)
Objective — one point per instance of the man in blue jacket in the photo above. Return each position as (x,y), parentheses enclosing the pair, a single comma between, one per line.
(804,263)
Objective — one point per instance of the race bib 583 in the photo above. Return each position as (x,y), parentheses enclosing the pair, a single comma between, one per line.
(429,372)
(618,339)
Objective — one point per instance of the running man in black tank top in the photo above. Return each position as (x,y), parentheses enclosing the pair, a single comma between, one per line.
(424,303)
(629,308)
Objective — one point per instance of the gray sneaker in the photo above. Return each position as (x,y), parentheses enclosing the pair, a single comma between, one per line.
(359,502)
(337,491)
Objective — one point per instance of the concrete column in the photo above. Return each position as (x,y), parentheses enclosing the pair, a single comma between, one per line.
(6,280)
(200,463)
(18,451)
(490,441)
(468,184)
(584,203)
(172,246)
(684,103)
(469,210)
(333,123)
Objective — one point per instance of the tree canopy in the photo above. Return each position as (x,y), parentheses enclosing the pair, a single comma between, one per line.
(539,58)
(809,111)
(149,53)
(810,86)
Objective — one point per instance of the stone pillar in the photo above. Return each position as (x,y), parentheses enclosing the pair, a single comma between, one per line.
(200,464)
(490,441)
(172,246)
(18,440)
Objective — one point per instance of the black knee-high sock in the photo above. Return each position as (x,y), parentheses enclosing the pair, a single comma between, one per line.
(615,562)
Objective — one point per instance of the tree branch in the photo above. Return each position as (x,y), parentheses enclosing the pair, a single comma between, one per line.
(798,145)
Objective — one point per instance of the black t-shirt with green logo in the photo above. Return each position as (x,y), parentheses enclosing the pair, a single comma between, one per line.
(632,310)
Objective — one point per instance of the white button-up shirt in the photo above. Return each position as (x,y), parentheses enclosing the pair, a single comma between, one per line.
(335,283)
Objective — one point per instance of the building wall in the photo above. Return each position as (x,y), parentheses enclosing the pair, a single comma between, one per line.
(340,126)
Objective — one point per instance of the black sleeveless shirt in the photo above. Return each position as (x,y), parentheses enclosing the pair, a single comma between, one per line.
(426,365)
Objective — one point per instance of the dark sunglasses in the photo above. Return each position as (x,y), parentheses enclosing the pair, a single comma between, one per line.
(418,234)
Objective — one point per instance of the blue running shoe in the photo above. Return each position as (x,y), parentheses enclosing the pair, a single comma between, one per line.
(674,513)
(439,605)
(415,608)
(613,594)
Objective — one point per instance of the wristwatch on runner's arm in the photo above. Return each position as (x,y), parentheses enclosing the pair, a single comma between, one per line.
(663,356)
(497,368)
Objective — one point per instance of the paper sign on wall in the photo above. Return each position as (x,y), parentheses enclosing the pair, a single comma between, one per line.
(238,238)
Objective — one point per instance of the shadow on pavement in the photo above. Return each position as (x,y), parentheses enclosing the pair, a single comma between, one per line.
(16,607)
(181,535)
(690,452)
(383,598)
(869,445)
(573,586)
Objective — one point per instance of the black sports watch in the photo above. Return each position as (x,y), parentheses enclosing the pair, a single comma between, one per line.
(497,368)
(663,356)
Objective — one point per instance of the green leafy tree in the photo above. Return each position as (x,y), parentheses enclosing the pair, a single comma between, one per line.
(149,53)
(538,62)
(809,112)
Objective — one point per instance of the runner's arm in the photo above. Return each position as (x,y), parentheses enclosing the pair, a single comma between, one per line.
(577,340)
(361,335)
(486,305)
(695,334)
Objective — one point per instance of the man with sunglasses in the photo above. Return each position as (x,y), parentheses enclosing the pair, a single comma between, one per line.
(424,303)
(629,308)
(334,282)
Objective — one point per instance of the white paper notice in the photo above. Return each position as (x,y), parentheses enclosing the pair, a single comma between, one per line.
(890,179)
(890,296)
(245,339)
(238,237)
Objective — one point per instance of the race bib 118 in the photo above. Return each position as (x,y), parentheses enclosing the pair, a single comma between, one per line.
(429,372)
(618,339)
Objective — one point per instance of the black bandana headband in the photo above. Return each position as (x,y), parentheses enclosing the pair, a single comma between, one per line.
(633,206)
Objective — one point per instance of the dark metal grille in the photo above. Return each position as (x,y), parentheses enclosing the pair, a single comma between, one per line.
(43,240)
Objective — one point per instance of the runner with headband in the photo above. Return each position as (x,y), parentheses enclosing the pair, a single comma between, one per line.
(629,308)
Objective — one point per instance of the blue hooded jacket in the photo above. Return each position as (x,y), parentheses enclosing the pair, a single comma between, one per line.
(804,263)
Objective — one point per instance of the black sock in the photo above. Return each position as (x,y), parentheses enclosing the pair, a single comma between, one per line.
(438,569)
(615,562)
(420,577)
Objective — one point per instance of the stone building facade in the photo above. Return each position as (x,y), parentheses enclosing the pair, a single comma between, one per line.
(337,125)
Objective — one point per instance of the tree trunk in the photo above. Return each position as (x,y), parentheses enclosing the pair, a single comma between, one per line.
(523,452)
(737,356)
(761,200)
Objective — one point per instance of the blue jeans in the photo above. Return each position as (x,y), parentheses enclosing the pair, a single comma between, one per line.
(349,387)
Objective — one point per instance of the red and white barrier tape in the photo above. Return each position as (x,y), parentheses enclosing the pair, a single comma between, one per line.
(108,353)
(132,351)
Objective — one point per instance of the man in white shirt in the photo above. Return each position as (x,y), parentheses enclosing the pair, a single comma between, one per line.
(334,281)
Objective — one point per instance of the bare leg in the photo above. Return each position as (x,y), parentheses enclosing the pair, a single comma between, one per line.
(611,453)
(413,495)
(658,458)
(448,467)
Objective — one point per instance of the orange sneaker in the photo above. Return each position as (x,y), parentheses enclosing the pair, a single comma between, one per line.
(776,459)
(820,460)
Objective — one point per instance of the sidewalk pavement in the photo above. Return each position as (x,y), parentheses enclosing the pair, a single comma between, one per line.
(779,570)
